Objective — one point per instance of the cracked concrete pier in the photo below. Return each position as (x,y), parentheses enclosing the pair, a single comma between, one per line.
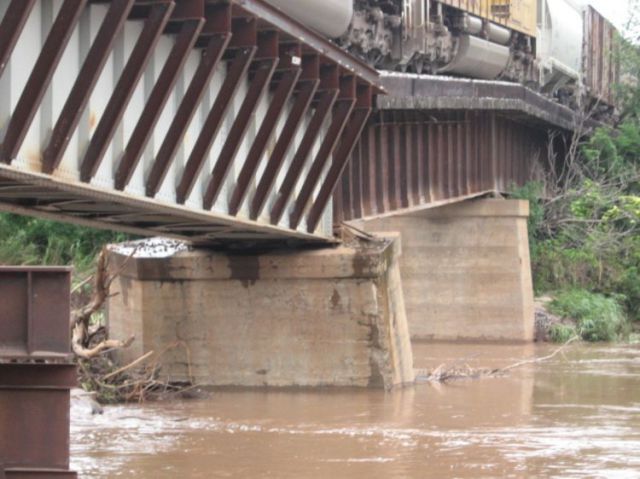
(326,317)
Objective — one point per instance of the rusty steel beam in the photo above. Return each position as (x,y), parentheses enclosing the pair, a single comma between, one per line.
(382,185)
(257,87)
(400,176)
(35,435)
(184,42)
(357,121)
(35,312)
(85,83)
(392,166)
(213,122)
(411,179)
(468,154)
(187,10)
(322,110)
(457,155)
(343,109)
(368,172)
(54,375)
(154,25)
(40,77)
(211,56)
(11,27)
(280,98)
(35,373)
(265,66)
(307,89)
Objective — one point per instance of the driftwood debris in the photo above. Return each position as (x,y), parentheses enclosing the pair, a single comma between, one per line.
(82,334)
(90,342)
(445,373)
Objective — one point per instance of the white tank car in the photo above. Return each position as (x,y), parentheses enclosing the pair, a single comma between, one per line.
(560,41)
(329,17)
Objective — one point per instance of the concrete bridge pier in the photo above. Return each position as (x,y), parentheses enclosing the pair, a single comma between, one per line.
(465,269)
(325,317)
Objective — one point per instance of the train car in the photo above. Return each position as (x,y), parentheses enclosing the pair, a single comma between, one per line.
(545,44)
(601,70)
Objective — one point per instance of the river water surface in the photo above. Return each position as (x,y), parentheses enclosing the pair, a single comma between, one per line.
(575,416)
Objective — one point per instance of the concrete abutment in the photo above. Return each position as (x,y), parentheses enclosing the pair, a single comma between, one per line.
(466,270)
(342,316)
(328,317)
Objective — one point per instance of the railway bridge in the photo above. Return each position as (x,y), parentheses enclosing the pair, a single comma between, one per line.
(232,126)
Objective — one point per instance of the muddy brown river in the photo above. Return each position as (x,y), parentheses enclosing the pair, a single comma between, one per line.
(575,416)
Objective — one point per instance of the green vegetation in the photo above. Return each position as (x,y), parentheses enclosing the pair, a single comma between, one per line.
(561,333)
(30,241)
(584,234)
(598,318)
(584,229)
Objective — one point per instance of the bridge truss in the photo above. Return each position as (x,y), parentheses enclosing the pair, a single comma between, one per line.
(202,120)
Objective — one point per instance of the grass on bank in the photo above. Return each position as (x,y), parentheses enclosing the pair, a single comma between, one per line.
(597,317)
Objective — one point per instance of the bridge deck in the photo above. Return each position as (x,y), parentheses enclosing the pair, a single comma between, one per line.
(204,120)
(438,140)
(222,121)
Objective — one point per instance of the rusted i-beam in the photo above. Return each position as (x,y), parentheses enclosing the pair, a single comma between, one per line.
(341,113)
(212,123)
(85,82)
(184,42)
(307,87)
(221,169)
(351,134)
(278,102)
(40,77)
(154,24)
(11,27)
(188,106)
(322,110)
(266,63)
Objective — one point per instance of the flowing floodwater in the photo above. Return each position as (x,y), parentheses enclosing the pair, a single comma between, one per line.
(575,416)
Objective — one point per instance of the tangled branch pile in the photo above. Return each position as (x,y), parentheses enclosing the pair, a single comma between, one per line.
(92,347)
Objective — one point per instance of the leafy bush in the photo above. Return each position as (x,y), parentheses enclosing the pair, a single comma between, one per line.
(561,333)
(584,230)
(30,241)
(598,318)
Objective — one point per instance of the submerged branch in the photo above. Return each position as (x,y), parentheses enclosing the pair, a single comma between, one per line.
(444,374)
